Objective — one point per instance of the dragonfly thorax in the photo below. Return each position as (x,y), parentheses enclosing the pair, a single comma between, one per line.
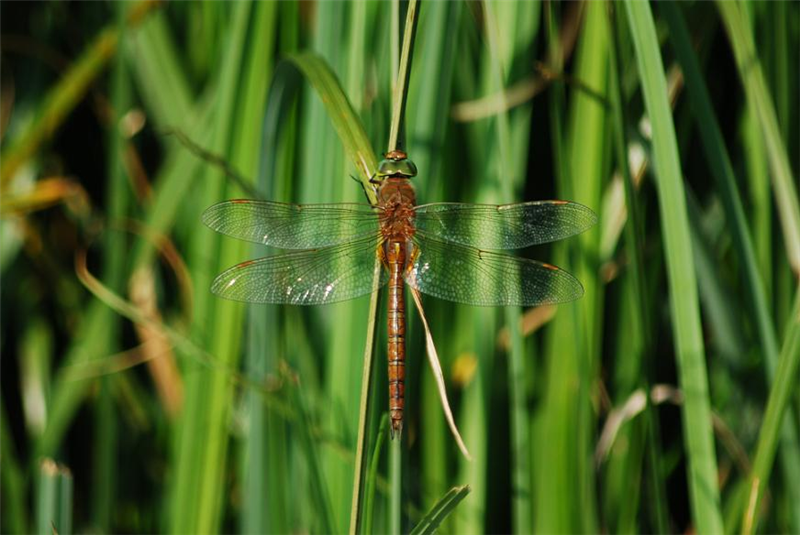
(397,165)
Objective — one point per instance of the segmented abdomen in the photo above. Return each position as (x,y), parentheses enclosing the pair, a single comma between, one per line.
(395,259)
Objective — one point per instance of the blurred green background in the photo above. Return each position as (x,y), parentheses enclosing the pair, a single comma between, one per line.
(665,400)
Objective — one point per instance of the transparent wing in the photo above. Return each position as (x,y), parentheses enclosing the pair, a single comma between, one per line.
(503,226)
(313,277)
(292,226)
(468,275)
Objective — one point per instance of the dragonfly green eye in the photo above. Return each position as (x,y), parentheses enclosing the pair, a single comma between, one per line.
(396,164)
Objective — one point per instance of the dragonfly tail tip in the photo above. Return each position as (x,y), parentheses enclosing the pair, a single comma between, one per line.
(396,430)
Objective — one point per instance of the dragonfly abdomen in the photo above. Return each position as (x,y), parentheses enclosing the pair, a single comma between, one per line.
(395,260)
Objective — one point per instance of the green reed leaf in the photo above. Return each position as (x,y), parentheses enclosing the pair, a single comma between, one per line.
(684,305)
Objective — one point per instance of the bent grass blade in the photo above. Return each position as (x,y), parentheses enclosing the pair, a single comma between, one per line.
(439,512)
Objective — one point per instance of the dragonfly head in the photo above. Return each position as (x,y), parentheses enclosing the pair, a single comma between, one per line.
(396,164)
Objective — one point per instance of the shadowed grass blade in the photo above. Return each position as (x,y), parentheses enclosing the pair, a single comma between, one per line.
(13,481)
(67,94)
(372,477)
(758,96)
(722,170)
(638,346)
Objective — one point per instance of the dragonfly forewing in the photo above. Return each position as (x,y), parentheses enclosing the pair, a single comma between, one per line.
(293,226)
(313,277)
(504,226)
(476,277)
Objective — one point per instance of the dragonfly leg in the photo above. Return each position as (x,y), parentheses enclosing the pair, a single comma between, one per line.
(382,256)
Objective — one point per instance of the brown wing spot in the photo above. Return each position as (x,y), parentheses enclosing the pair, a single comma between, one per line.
(549,266)
(247,263)
(240,201)
(559,202)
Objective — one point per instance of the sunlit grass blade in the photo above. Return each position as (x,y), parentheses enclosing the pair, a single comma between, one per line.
(404,71)
(353,137)
(684,306)
(758,96)
(573,341)
(344,119)
(432,520)
(783,388)
(760,213)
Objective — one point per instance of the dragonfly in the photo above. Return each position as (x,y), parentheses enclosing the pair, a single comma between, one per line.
(447,250)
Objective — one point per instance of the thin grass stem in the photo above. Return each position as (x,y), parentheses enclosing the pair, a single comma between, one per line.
(401,84)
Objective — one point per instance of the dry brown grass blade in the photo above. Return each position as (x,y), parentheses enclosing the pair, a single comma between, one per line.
(177,339)
(662,393)
(44,194)
(155,343)
(116,363)
(436,367)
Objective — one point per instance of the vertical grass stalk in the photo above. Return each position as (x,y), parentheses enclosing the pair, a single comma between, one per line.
(684,306)
(396,129)
(634,244)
